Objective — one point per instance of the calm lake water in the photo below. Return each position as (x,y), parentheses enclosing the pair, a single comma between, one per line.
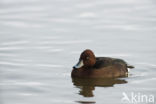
(40,41)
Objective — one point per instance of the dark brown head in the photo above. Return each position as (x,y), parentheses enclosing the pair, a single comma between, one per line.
(87,59)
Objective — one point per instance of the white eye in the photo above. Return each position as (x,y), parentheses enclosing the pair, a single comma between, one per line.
(87,58)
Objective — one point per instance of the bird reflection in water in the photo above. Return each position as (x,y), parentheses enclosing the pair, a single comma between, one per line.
(87,85)
(86,102)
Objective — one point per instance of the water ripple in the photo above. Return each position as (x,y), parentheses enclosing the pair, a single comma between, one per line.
(21,83)
(6,54)
(67,42)
(147,64)
(21,24)
(49,65)
(10,48)
(11,63)
(15,42)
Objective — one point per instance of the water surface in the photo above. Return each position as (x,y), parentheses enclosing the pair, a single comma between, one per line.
(42,39)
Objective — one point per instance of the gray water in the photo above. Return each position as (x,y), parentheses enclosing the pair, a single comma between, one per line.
(40,41)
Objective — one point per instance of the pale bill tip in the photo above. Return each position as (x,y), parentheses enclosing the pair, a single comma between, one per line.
(79,64)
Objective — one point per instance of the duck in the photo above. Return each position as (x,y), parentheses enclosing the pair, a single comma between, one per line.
(90,66)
